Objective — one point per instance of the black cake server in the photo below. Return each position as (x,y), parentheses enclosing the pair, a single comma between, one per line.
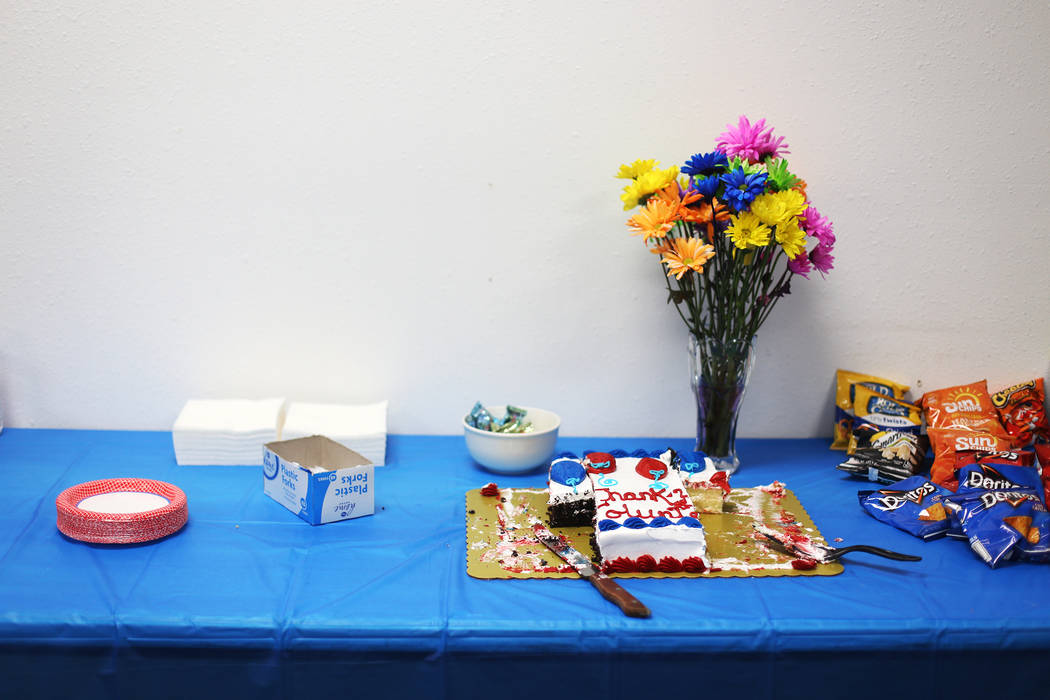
(610,590)
(824,554)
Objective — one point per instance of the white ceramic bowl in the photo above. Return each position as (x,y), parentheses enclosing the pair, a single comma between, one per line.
(514,453)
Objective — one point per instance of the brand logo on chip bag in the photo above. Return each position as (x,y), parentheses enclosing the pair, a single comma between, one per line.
(989,478)
(1000,398)
(986,443)
(968,405)
(880,388)
(886,408)
(1014,498)
(892,500)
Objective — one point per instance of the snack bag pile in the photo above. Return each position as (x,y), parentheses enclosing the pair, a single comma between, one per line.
(990,476)
(968,419)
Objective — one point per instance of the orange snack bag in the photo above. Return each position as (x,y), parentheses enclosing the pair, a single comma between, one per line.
(966,407)
(947,441)
(1022,410)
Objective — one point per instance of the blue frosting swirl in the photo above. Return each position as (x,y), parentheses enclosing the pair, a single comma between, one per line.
(607,524)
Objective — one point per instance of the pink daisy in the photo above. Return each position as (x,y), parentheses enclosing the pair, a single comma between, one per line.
(818,226)
(800,265)
(751,141)
(822,259)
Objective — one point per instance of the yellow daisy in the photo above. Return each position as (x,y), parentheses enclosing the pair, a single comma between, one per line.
(635,169)
(792,238)
(747,230)
(645,185)
(775,208)
(632,195)
(655,220)
(686,254)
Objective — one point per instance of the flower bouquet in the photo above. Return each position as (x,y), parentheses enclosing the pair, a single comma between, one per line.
(733,228)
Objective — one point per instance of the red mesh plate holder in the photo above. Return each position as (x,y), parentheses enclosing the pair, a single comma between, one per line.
(121,528)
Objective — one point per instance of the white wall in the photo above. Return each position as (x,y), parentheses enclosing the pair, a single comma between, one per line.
(353,201)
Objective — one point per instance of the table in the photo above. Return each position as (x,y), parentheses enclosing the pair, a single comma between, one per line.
(249,599)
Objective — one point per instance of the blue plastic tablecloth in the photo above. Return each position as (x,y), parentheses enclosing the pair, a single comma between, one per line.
(248,598)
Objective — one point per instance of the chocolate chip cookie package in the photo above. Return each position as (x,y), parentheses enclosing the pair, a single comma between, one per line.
(915,505)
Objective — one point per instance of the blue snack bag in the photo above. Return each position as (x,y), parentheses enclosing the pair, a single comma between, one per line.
(998,476)
(915,505)
(989,475)
(1003,525)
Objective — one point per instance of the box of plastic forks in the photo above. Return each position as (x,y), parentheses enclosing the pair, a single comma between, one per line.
(318,479)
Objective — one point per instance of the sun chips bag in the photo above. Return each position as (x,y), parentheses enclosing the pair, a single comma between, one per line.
(845,381)
(945,442)
(966,407)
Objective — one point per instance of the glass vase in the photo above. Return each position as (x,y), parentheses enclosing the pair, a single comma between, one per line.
(719,372)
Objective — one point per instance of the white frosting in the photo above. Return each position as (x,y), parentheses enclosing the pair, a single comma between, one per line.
(701,477)
(625,493)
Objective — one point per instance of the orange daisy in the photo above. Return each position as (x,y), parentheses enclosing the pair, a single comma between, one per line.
(676,197)
(662,246)
(686,254)
(706,213)
(655,220)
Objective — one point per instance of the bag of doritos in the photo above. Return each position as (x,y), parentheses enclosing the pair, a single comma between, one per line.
(1042,453)
(845,381)
(998,476)
(945,442)
(965,407)
(1004,525)
(1022,411)
(915,505)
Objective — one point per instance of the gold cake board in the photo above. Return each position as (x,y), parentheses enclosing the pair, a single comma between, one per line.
(501,544)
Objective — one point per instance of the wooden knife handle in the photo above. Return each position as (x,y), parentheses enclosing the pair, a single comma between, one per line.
(616,594)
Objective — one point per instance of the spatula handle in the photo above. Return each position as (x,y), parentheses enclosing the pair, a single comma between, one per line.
(877,551)
(618,596)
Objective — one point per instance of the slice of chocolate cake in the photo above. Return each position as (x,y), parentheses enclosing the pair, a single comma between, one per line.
(571,499)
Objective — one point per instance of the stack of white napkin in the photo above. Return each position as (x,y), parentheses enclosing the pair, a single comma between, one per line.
(361,428)
(226,431)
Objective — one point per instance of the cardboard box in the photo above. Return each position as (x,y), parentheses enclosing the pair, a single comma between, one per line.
(318,479)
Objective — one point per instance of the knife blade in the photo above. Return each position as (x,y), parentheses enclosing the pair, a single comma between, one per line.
(610,590)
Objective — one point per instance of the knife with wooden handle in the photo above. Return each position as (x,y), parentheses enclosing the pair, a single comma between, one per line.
(610,590)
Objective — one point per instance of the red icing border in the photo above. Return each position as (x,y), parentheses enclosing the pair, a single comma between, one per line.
(647,564)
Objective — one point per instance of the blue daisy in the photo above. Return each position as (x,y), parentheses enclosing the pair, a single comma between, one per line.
(707,186)
(705,163)
(741,188)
